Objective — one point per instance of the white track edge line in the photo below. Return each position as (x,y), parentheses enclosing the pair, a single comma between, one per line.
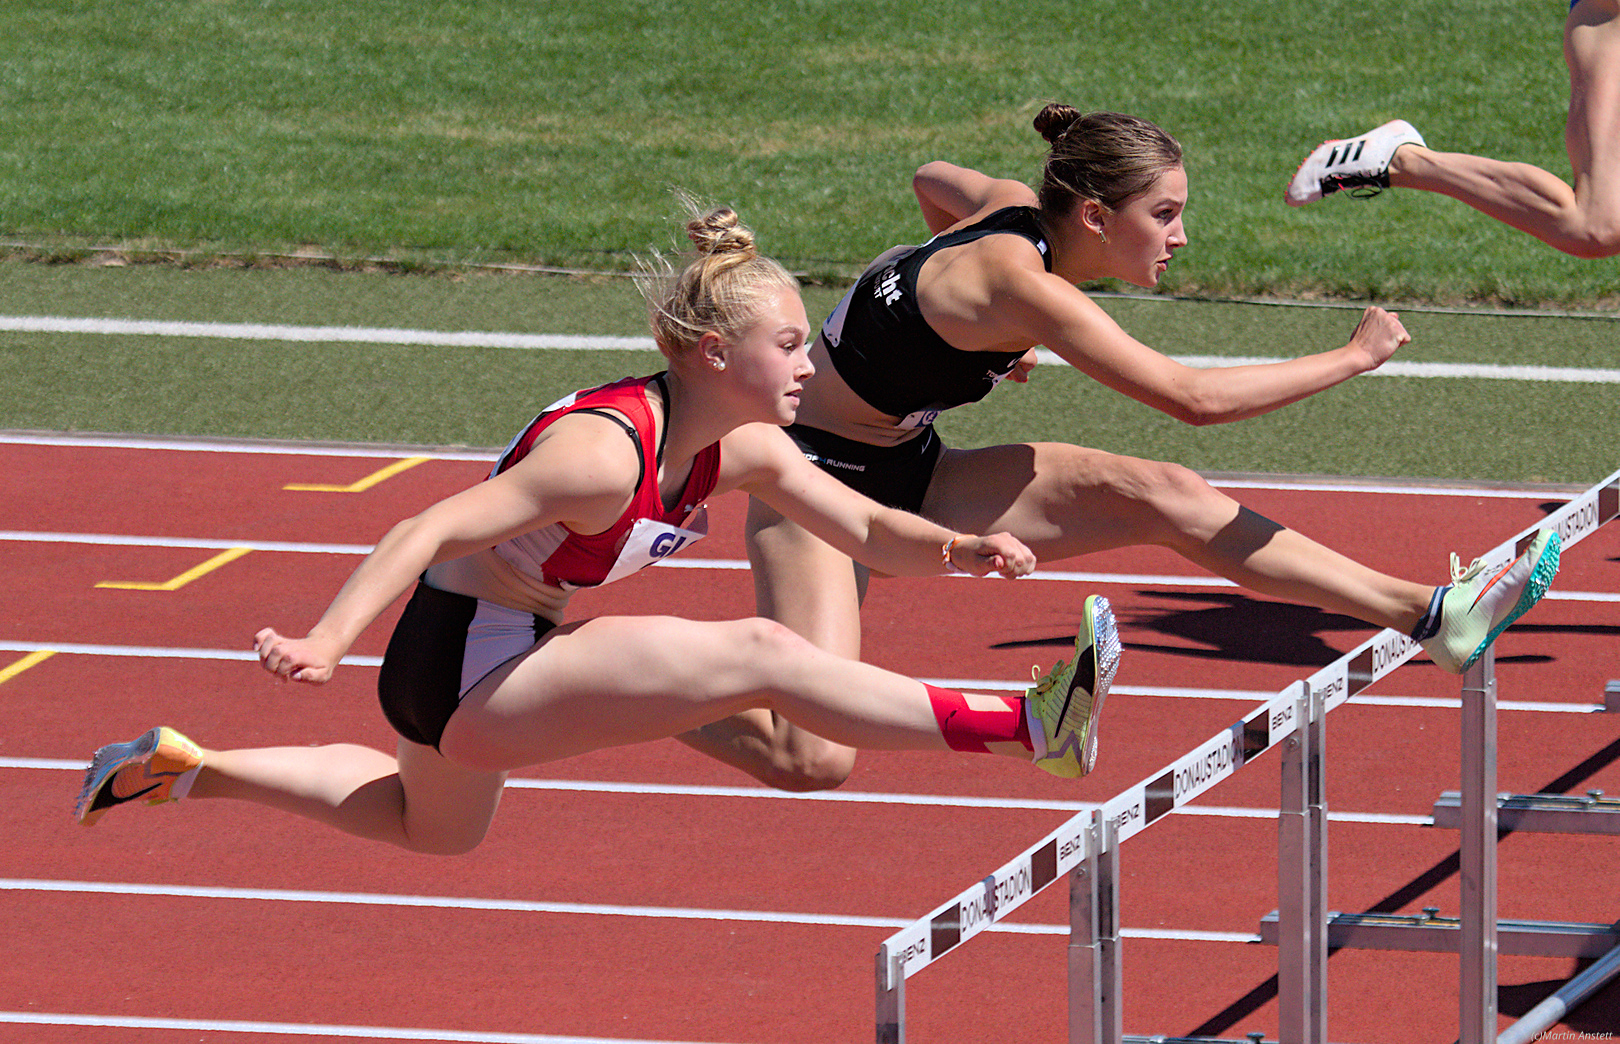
(387,452)
(291,332)
(540,907)
(302,1029)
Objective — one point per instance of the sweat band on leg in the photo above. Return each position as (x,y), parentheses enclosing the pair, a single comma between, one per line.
(970,721)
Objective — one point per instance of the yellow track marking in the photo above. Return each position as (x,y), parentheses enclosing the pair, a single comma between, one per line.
(223,558)
(364,484)
(32,659)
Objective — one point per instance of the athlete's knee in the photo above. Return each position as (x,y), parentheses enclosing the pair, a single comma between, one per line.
(1164,488)
(762,639)
(809,764)
(1183,506)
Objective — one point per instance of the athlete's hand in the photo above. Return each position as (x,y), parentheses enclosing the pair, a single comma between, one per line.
(997,553)
(1377,336)
(1020,372)
(296,659)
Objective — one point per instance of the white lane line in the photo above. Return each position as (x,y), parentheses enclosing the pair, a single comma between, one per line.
(116,540)
(530,906)
(497,339)
(728,564)
(968,684)
(300,1029)
(388,335)
(850,797)
(386,452)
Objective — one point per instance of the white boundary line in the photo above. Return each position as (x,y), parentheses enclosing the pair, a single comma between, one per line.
(299,1029)
(850,797)
(162,652)
(530,906)
(388,452)
(553,342)
(727,564)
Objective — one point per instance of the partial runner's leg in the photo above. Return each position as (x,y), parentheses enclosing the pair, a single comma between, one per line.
(417,801)
(620,680)
(1582,220)
(1066,500)
(816,591)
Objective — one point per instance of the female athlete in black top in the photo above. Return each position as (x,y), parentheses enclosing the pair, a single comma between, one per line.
(931,327)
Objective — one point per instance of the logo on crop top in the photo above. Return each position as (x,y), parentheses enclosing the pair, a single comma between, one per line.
(888,287)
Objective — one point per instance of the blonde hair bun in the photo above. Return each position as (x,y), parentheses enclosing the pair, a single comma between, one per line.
(723,288)
(720,231)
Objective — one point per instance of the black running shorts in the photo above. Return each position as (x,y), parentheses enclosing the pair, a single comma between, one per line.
(895,476)
(444,645)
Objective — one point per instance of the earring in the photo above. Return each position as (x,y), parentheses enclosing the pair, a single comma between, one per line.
(1102,235)
(719,365)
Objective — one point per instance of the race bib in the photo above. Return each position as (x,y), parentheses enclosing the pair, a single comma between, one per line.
(650,540)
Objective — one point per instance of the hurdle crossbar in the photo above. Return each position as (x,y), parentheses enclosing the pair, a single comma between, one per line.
(1089,835)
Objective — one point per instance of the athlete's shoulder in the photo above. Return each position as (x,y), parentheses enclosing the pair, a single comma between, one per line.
(592,452)
(751,450)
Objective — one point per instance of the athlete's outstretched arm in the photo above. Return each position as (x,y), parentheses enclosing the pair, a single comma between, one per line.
(1028,304)
(576,476)
(763,461)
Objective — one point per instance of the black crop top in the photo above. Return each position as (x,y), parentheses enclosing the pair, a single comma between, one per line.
(886,352)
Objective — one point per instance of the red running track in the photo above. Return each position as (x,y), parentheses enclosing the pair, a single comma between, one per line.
(730,916)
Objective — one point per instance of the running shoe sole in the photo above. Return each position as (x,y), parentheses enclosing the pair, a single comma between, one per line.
(95,796)
(1089,676)
(1541,577)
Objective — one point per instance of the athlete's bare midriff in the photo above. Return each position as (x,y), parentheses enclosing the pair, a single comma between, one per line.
(826,402)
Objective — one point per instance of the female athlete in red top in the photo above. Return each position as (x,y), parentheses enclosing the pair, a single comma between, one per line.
(484,675)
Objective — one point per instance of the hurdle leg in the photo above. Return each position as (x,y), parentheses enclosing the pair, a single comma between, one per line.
(1302,878)
(1094,967)
(891,999)
(1477,983)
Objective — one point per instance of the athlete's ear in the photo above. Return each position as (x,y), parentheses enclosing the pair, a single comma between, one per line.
(712,350)
(1091,215)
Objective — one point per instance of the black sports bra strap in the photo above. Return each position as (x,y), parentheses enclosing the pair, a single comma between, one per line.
(663,396)
(630,430)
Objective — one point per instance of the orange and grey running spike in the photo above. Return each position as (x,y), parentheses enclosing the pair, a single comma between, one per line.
(1062,708)
(158,767)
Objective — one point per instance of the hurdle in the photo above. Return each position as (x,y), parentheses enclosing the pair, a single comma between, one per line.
(1085,849)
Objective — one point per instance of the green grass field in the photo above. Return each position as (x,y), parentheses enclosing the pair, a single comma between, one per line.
(549,133)
(444,139)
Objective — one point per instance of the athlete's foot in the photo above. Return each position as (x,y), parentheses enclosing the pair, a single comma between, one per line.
(1062,708)
(1359,164)
(157,767)
(1479,605)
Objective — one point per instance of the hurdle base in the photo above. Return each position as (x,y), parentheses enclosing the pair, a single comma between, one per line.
(1611,695)
(1540,813)
(1430,933)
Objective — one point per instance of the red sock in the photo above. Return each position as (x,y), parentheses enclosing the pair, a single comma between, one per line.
(969,722)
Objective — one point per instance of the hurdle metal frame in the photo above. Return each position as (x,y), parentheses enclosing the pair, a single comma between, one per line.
(1086,847)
